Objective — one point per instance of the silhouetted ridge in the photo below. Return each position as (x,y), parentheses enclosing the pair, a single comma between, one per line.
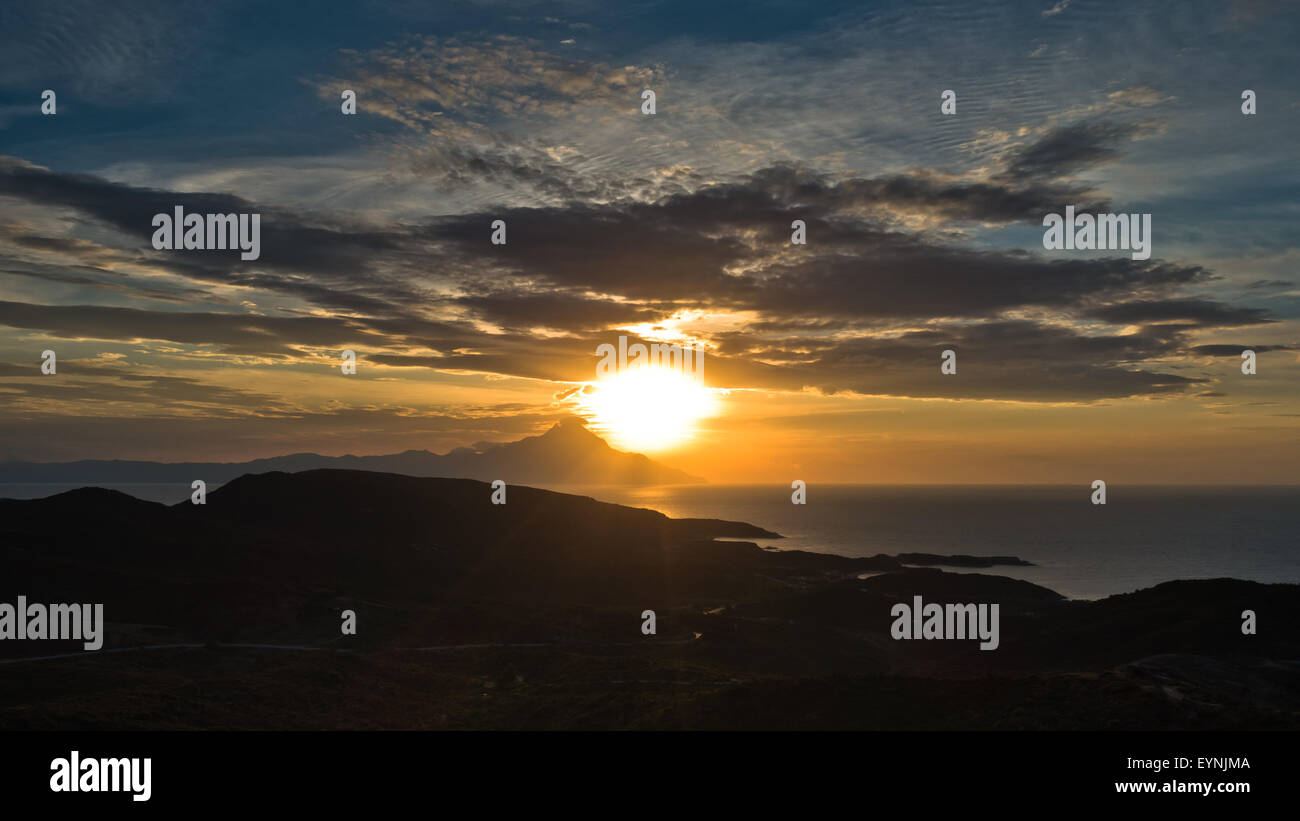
(550,588)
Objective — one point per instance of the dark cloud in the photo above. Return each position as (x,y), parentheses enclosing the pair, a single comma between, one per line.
(925,192)
(341,257)
(724,245)
(1236,350)
(1018,360)
(233,333)
(1069,149)
(157,392)
(692,249)
(557,310)
(1202,312)
(838,314)
(102,279)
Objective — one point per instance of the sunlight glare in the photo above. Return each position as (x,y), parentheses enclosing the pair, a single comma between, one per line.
(648,408)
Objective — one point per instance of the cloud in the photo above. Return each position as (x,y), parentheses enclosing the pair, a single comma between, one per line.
(80,381)
(1236,350)
(1005,360)
(1201,312)
(338,254)
(727,246)
(1057,9)
(1068,149)
(567,311)
(866,287)
(472,106)
(233,333)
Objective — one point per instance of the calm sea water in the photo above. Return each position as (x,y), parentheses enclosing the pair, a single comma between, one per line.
(1141,537)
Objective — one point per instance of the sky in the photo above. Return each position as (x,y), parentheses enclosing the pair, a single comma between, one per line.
(924,231)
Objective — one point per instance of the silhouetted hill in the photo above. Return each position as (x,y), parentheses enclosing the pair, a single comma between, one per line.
(275,540)
(568,453)
(544,597)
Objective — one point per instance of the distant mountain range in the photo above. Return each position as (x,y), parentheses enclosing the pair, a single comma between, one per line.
(568,453)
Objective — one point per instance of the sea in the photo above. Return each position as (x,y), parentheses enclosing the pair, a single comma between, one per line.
(1142,536)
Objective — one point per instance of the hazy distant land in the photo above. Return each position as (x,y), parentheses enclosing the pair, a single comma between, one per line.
(567,453)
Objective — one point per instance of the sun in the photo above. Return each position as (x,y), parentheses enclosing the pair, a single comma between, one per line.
(647,408)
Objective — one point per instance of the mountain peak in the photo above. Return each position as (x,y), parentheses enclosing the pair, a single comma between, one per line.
(571,427)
